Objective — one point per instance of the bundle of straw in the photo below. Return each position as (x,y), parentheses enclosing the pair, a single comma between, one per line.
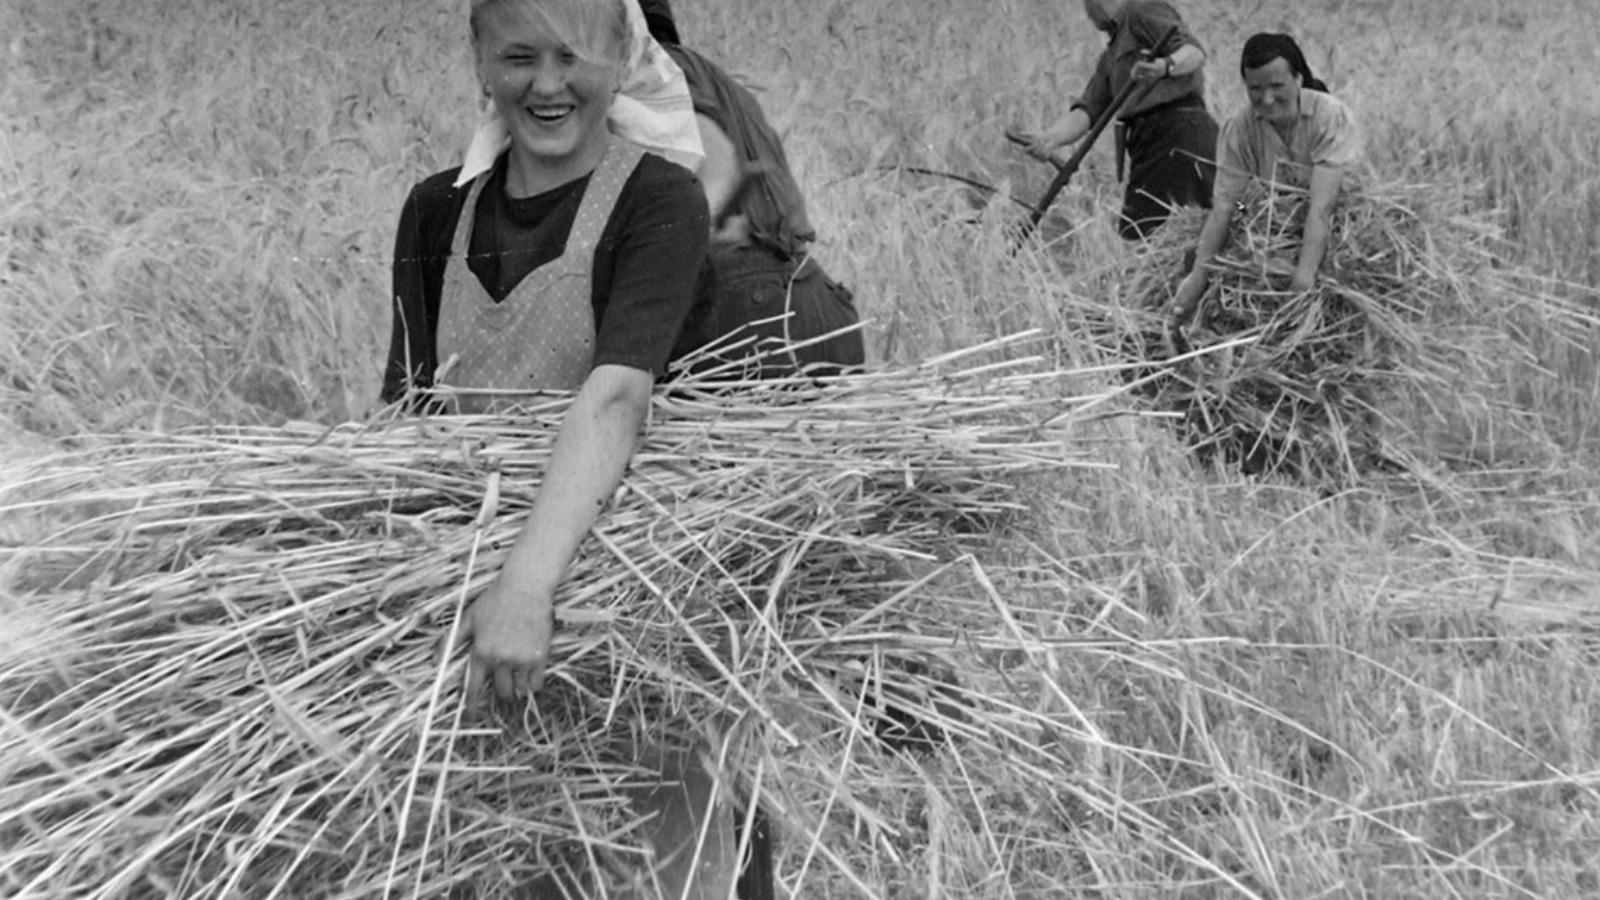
(220,670)
(1411,312)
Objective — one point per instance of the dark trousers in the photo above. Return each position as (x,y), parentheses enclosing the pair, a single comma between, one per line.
(1171,163)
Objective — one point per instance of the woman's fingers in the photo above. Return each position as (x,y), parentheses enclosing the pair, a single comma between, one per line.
(510,647)
(510,682)
(505,683)
(529,679)
(475,679)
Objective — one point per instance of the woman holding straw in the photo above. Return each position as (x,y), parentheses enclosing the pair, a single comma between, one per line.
(1293,132)
(567,253)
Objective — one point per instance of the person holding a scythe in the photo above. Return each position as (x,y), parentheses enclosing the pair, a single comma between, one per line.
(1164,129)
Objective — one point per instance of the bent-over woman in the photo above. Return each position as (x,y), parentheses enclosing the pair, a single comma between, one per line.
(1293,132)
(765,282)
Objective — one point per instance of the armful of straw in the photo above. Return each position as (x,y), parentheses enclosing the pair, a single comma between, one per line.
(511,623)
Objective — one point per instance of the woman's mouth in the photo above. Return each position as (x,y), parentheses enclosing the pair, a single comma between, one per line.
(551,115)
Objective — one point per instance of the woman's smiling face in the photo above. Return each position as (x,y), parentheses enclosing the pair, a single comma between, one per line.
(1274,91)
(553,95)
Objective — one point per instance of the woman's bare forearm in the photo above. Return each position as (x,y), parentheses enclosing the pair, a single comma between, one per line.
(1325,184)
(597,440)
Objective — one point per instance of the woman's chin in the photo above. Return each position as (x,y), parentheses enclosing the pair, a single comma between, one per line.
(557,144)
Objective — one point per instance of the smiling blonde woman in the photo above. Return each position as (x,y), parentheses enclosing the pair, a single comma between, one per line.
(567,255)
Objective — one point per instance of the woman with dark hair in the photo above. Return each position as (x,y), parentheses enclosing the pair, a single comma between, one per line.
(1293,132)
(1168,134)
(765,283)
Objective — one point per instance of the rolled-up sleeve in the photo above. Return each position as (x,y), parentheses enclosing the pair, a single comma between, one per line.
(1097,93)
(658,256)
(1151,21)
(1336,142)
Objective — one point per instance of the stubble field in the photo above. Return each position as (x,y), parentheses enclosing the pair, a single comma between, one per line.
(1381,689)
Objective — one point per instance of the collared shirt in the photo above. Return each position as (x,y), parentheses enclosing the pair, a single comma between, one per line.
(1138,27)
(1326,134)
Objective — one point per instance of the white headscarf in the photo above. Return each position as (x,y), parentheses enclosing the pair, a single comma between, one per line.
(653,109)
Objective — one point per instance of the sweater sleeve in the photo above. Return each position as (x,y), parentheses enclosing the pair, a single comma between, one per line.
(651,284)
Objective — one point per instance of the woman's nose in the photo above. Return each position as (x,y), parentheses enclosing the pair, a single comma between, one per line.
(549,77)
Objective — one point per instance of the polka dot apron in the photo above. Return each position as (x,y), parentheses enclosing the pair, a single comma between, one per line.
(541,336)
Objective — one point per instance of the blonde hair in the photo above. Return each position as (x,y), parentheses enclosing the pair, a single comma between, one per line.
(597,30)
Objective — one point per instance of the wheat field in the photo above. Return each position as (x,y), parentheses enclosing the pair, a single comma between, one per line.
(1386,688)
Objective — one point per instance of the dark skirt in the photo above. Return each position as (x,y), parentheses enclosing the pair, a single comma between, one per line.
(1171,163)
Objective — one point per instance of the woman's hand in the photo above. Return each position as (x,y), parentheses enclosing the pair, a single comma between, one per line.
(1043,146)
(511,632)
(1187,299)
(1148,70)
(1039,145)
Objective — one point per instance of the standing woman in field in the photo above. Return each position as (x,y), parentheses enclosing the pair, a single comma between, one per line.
(1293,132)
(1169,135)
(571,259)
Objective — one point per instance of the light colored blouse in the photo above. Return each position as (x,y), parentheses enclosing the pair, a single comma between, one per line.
(1249,147)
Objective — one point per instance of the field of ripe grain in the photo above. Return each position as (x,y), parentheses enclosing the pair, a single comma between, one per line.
(1263,688)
